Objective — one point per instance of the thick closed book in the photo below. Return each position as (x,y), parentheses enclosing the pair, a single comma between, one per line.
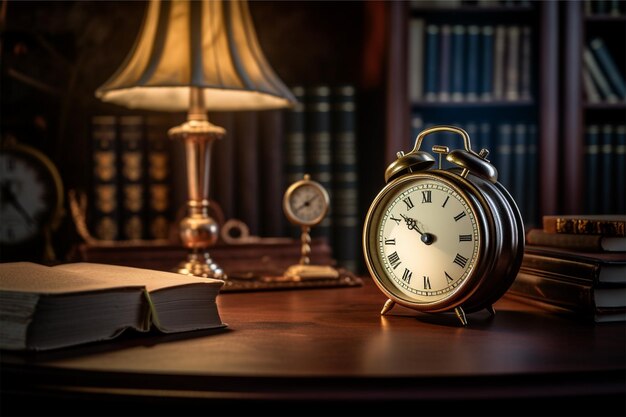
(592,224)
(591,243)
(44,307)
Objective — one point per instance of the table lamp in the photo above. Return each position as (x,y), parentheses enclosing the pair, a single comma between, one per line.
(197,56)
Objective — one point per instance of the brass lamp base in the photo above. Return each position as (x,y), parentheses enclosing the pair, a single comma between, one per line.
(200,264)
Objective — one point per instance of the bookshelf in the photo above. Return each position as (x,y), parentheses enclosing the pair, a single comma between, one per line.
(583,114)
(556,102)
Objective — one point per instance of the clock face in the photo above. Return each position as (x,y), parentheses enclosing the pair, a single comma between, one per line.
(27,197)
(424,239)
(306,203)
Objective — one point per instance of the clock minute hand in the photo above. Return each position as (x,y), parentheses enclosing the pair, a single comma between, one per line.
(306,203)
(411,223)
(9,196)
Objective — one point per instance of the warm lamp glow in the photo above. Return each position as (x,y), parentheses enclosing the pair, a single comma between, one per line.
(196,56)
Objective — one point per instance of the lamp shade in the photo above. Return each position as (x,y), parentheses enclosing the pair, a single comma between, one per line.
(210,45)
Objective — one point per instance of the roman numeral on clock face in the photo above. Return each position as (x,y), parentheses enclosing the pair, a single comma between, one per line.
(390,241)
(427,283)
(394,260)
(426,197)
(465,238)
(409,203)
(460,260)
(459,216)
(406,276)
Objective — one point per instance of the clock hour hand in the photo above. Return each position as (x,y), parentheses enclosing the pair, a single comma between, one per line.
(8,196)
(306,203)
(411,223)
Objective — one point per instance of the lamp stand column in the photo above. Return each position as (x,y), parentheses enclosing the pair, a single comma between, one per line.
(198,231)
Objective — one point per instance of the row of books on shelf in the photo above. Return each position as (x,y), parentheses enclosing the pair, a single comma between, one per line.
(575,265)
(321,141)
(602,79)
(130,197)
(261,155)
(605,7)
(512,150)
(469,63)
(605,168)
(421,4)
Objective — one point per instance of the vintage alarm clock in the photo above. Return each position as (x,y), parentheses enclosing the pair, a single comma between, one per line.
(438,240)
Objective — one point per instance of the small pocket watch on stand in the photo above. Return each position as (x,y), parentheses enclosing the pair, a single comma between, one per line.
(440,240)
(305,204)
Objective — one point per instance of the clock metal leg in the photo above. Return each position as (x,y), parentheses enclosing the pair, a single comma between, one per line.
(491,310)
(461,315)
(388,306)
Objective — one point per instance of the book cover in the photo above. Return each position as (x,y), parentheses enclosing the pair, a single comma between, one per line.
(132,182)
(588,243)
(346,222)
(607,192)
(45,307)
(598,224)
(105,211)
(319,149)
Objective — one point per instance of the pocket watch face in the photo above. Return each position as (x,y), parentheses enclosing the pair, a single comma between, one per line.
(306,203)
(423,239)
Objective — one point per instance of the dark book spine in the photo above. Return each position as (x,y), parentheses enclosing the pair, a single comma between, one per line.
(591,151)
(532,190)
(431,82)
(416,60)
(247,145)
(512,91)
(458,62)
(606,169)
(319,150)
(445,63)
(295,145)
(607,64)
(271,174)
(473,56)
(158,178)
(504,152)
(105,211)
(499,54)
(345,178)
(520,184)
(132,151)
(620,168)
(526,64)
(598,76)
(486,74)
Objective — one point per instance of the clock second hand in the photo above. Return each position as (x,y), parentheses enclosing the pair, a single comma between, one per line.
(426,238)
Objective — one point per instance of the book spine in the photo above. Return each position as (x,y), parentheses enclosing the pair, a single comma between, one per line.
(445,63)
(417,125)
(105,212)
(271,154)
(531,176)
(606,173)
(598,76)
(519,180)
(295,140)
(473,56)
(504,151)
(486,75)
(132,151)
(319,150)
(589,243)
(591,152)
(526,64)
(512,65)
(345,178)
(416,59)
(591,92)
(247,207)
(573,296)
(608,66)
(458,63)
(499,60)
(431,82)
(620,164)
(589,226)
(158,176)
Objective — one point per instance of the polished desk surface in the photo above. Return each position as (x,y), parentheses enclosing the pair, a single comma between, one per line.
(332,344)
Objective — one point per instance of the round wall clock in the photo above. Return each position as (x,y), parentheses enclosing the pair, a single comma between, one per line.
(439,240)
(31,199)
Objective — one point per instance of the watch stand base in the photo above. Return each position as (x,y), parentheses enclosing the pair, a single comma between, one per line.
(459,312)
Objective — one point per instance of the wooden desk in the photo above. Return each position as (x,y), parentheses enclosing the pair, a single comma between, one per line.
(327,351)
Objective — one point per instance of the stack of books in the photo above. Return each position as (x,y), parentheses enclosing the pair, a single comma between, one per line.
(576,265)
